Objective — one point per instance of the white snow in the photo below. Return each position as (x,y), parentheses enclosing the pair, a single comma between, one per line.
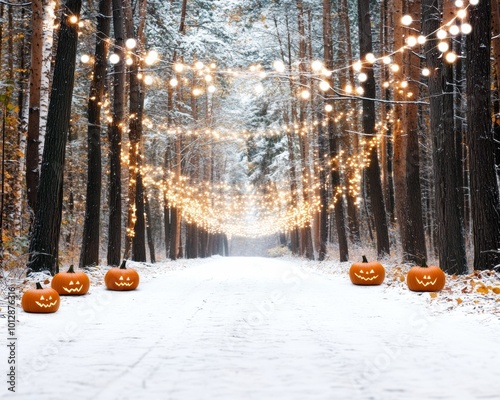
(254,328)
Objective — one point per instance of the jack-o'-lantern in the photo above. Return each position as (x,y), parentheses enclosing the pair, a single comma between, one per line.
(122,278)
(425,278)
(367,273)
(71,283)
(40,300)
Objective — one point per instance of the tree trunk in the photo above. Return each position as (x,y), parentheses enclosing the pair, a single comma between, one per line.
(115,138)
(47,224)
(414,249)
(485,202)
(33,134)
(149,229)
(373,170)
(303,139)
(90,246)
(450,235)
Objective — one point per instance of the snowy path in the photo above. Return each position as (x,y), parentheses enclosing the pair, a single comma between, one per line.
(251,328)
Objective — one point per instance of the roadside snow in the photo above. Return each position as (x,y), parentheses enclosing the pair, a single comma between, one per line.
(256,328)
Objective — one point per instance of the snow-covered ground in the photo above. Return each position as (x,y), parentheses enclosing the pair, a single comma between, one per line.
(257,328)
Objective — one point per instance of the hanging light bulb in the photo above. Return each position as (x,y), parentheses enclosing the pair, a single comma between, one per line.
(362,77)
(421,39)
(324,86)
(370,57)
(411,41)
(406,20)
(131,43)
(454,30)
(451,57)
(316,65)
(466,28)
(114,58)
(279,66)
(443,47)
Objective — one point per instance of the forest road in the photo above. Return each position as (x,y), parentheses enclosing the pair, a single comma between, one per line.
(253,328)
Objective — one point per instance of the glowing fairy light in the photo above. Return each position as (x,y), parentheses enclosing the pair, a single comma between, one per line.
(259,88)
(426,72)
(328,108)
(454,30)
(324,86)
(211,89)
(421,39)
(131,43)
(459,3)
(151,57)
(466,28)
(443,47)
(394,67)
(199,65)
(316,65)
(357,66)
(387,60)
(179,67)
(411,41)
(197,92)
(451,57)
(462,14)
(114,58)
(370,57)
(362,77)
(85,58)
(279,66)
(406,20)
(441,34)
(73,19)
(305,94)
(173,82)
(473,2)
(148,80)
(348,88)
(129,61)
(360,91)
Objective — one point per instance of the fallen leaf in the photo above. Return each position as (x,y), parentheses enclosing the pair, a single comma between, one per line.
(482,290)
(459,300)
(433,295)
(496,290)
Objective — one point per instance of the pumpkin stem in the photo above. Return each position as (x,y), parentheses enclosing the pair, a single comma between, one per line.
(39,285)
(124,264)
(424,263)
(71,269)
(365,259)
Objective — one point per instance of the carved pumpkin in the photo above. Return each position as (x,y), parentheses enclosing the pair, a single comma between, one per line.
(425,278)
(40,300)
(122,278)
(71,283)
(367,273)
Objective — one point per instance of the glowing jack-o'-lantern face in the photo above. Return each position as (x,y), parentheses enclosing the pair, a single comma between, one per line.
(425,278)
(40,300)
(122,278)
(367,273)
(71,282)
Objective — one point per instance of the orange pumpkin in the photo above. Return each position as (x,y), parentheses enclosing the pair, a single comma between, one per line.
(40,300)
(367,273)
(71,282)
(122,278)
(425,278)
